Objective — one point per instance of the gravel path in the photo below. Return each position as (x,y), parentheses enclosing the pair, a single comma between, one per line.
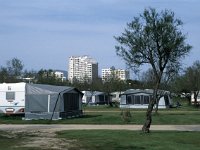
(59,127)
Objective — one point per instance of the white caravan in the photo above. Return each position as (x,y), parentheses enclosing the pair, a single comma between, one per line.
(12,98)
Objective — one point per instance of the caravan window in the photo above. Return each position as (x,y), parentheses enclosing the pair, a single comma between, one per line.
(10,95)
(146,99)
(128,100)
(137,99)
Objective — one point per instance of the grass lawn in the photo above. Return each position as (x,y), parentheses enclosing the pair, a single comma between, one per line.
(107,140)
(129,140)
(10,141)
(99,117)
(104,114)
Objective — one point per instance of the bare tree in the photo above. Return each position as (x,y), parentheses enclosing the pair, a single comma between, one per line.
(156,39)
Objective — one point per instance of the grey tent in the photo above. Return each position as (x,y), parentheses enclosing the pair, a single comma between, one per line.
(52,102)
(140,98)
(96,97)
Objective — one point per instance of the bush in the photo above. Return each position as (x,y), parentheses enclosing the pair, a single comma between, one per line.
(126,115)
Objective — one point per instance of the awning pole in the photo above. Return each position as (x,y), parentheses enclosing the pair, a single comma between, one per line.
(48,103)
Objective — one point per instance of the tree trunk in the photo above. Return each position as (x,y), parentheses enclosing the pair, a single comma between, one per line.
(157,102)
(196,93)
(148,121)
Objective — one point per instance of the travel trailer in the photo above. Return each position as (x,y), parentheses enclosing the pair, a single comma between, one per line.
(12,98)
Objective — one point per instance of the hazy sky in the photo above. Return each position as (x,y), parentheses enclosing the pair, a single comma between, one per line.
(44,33)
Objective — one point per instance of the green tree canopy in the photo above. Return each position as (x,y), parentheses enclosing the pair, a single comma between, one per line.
(12,72)
(188,82)
(156,39)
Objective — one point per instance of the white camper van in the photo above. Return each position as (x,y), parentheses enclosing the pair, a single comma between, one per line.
(12,98)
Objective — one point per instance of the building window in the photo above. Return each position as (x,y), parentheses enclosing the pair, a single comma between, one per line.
(10,95)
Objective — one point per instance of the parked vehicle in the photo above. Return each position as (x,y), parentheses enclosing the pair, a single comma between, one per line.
(12,98)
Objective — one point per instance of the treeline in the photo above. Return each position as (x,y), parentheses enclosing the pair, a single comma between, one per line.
(187,81)
(14,72)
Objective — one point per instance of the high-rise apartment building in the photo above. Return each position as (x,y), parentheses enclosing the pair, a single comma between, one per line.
(82,68)
(115,73)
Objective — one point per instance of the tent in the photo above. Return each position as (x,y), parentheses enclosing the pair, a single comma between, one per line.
(52,102)
(96,97)
(138,98)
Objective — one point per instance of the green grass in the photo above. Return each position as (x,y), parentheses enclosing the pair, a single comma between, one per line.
(110,139)
(100,108)
(98,117)
(104,114)
(129,140)
(11,141)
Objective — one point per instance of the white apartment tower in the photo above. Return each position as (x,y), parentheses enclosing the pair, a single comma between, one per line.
(82,68)
(115,73)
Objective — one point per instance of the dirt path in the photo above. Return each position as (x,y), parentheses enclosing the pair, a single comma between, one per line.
(60,127)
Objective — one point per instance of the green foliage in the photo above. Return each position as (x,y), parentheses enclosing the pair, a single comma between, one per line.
(12,72)
(155,39)
(15,67)
(188,82)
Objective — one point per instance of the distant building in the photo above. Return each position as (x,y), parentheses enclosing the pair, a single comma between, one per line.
(60,75)
(82,68)
(115,73)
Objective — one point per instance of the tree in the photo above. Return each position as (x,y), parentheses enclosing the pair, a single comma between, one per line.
(192,79)
(3,74)
(46,77)
(15,67)
(29,76)
(156,39)
(148,79)
(12,72)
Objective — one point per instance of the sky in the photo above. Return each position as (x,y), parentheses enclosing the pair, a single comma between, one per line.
(43,34)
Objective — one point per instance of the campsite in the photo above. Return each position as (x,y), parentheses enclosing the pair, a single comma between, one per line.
(57,117)
(99,75)
(103,115)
